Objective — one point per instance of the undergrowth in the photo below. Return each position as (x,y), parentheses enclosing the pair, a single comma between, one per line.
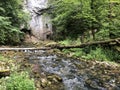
(16,80)
(92,52)
(20,81)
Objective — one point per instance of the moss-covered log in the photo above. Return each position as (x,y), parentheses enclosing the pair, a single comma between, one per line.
(106,42)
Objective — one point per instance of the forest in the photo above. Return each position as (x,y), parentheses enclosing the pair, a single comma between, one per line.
(74,22)
(82,21)
(86,30)
(84,18)
(11,18)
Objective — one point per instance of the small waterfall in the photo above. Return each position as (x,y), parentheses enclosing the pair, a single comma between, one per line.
(40,24)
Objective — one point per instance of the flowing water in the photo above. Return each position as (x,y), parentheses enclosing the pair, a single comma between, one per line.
(73,77)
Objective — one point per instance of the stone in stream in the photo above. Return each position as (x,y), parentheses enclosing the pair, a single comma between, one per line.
(4,69)
(44,82)
(55,78)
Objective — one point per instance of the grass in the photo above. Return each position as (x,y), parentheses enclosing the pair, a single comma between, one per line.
(20,81)
(2,58)
(16,80)
(70,42)
(91,52)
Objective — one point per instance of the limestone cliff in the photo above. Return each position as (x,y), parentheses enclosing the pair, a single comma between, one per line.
(40,23)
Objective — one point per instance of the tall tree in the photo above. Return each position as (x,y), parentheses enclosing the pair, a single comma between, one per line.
(74,18)
(11,17)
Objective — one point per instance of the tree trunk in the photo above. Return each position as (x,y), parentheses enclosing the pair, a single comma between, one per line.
(93,34)
(23,49)
(107,42)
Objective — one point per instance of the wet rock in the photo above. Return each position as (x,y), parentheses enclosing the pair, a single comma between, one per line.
(81,72)
(118,80)
(44,82)
(51,44)
(105,78)
(38,85)
(81,66)
(92,84)
(4,69)
(35,68)
(4,73)
(55,78)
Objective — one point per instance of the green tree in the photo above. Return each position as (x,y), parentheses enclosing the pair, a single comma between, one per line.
(114,23)
(107,13)
(11,17)
(75,18)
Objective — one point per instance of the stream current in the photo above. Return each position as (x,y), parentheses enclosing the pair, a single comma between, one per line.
(67,69)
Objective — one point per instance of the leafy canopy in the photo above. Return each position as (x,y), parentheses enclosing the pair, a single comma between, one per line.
(11,17)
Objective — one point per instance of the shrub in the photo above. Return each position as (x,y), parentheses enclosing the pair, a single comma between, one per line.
(94,53)
(97,54)
(20,82)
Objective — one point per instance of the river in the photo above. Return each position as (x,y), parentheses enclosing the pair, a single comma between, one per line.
(77,74)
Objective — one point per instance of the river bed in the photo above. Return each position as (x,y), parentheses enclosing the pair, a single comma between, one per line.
(78,74)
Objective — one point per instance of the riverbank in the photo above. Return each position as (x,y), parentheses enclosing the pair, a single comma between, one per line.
(21,65)
(97,74)
(12,76)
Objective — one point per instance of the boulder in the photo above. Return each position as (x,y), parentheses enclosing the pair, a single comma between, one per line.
(4,69)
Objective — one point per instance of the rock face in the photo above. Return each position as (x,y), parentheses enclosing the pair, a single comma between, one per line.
(40,24)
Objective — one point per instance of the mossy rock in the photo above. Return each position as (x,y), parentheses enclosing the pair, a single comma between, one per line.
(4,73)
(55,78)
(51,44)
(4,69)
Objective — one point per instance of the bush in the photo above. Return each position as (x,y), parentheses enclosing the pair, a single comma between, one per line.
(94,53)
(102,54)
(97,54)
(8,33)
(20,82)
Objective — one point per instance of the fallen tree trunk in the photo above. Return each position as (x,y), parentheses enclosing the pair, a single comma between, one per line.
(106,42)
(23,49)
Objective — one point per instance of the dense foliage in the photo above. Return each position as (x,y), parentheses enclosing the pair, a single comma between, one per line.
(11,17)
(78,21)
(98,19)
(20,81)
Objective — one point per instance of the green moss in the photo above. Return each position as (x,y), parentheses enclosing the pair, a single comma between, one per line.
(2,58)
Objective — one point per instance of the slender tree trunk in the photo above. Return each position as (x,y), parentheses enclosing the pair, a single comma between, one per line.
(82,38)
(110,17)
(92,28)
(93,34)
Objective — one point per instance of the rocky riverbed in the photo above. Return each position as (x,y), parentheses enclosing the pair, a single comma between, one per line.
(52,71)
(75,74)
